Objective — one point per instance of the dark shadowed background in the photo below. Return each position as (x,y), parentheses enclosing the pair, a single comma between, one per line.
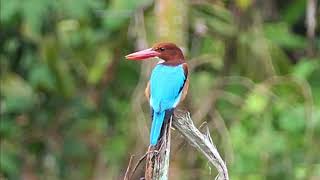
(73,108)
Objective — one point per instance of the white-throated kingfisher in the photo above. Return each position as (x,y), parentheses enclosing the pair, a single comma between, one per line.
(168,84)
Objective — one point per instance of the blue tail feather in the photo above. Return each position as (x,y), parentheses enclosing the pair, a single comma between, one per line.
(157,121)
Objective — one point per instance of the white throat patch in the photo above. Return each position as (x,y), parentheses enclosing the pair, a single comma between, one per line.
(161,61)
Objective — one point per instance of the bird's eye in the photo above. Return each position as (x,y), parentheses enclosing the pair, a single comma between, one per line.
(161,49)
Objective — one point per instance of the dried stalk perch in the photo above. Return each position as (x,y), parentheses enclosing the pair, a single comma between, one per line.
(157,166)
(203,142)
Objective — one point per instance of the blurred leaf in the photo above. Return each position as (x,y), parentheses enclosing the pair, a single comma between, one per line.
(41,77)
(58,66)
(218,19)
(293,120)
(215,51)
(8,9)
(301,172)
(18,95)
(214,10)
(33,13)
(100,64)
(200,81)
(316,120)
(79,9)
(238,134)
(279,34)
(114,153)
(304,68)
(243,4)
(8,128)
(280,59)
(119,11)
(68,31)
(220,27)
(95,125)
(256,101)
(75,149)
(8,163)
(294,11)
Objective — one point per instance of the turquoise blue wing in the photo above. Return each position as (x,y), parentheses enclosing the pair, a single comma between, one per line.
(166,83)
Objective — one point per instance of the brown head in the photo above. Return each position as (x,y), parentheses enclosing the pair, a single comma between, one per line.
(169,52)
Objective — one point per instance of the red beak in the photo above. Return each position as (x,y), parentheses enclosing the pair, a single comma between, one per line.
(144,54)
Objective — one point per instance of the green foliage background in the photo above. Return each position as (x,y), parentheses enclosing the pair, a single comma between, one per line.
(72,107)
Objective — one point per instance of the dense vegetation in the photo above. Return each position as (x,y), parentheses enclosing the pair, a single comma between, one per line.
(73,108)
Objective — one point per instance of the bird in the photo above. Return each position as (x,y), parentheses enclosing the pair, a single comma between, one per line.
(168,84)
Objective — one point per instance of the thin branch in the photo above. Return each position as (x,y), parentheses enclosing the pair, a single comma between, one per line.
(126,176)
(137,164)
(129,175)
